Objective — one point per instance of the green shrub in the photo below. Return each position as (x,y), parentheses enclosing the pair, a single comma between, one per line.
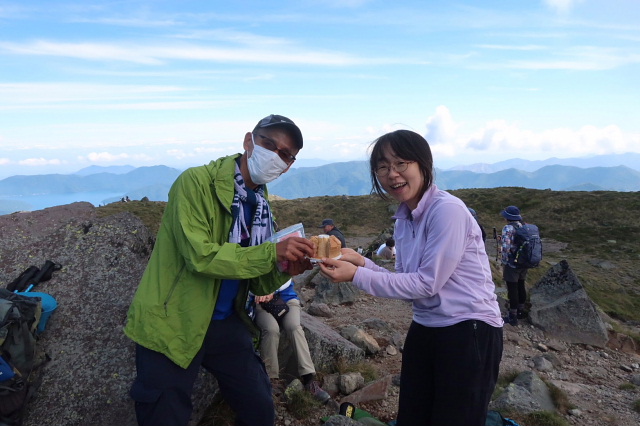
(368,371)
(300,403)
(544,418)
(559,398)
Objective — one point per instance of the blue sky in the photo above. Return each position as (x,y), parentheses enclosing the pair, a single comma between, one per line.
(179,83)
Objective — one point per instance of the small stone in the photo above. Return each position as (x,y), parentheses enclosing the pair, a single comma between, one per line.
(575,412)
(543,347)
(626,368)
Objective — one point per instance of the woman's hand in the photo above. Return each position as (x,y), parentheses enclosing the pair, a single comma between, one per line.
(352,256)
(338,270)
(261,299)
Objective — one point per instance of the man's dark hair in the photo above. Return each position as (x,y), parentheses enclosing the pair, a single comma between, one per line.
(390,242)
(407,145)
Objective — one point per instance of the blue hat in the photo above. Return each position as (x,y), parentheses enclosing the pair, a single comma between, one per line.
(473,212)
(511,213)
(326,222)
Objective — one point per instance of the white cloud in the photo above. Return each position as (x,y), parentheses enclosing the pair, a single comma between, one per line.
(500,140)
(4,161)
(562,5)
(30,162)
(512,47)
(91,51)
(441,126)
(106,157)
(156,55)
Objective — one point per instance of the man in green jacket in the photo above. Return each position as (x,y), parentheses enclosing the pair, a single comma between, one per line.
(212,249)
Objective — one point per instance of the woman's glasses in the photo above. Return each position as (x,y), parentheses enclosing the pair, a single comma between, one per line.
(398,166)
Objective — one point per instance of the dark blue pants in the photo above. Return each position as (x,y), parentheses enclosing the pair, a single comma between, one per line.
(162,390)
(448,374)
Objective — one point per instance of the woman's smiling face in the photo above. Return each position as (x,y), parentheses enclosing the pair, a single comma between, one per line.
(405,185)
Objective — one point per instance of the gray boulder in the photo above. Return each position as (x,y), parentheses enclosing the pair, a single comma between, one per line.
(526,394)
(326,346)
(561,307)
(360,338)
(92,364)
(344,293)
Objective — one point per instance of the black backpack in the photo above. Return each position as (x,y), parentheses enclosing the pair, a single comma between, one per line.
(529,246)
(19,317)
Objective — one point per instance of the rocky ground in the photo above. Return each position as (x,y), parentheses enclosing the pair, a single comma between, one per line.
(596,381)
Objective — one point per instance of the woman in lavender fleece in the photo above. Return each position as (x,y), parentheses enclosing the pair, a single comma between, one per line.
(453,347)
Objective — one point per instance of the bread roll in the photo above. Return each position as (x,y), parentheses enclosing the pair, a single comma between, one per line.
(335,247)
(326,246)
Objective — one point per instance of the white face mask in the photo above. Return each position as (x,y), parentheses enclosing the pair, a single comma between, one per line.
(264,165)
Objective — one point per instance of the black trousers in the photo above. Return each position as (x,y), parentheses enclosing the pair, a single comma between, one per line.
(162,390)
(516,289)
(448,374)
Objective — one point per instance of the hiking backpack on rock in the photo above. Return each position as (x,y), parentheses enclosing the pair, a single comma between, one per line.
(529,252)
(19,317)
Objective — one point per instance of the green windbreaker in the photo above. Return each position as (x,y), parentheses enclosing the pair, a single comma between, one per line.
(174,302)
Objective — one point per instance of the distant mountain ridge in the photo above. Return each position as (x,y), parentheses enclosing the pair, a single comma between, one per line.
(629,159)
(92,170)
(352,178)
(346,178)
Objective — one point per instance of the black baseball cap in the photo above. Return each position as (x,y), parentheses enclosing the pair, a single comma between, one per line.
(282,121)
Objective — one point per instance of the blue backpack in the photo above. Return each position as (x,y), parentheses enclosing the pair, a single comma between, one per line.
(529,246)
(494,418)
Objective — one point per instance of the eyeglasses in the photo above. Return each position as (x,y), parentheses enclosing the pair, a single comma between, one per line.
(272,146)
(398,166)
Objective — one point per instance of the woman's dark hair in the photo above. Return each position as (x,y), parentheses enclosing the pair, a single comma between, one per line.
(407,145)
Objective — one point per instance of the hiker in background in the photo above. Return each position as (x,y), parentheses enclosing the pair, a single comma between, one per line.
(329,228)
(475,216)
(388,249)
(211,250)
(513,276)
(270,339)
(453,348)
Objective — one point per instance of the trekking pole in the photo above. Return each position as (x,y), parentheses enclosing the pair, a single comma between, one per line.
(495,237)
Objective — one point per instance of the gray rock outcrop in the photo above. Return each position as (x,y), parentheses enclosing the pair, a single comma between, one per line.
(326,346)
(92,366)
(526,394)
(93,362)
(334,293)
(561,307)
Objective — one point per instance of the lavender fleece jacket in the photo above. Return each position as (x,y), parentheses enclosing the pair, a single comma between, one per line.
(441,264)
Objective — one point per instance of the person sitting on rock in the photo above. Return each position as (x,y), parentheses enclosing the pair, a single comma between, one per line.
(270,339)
(388,249)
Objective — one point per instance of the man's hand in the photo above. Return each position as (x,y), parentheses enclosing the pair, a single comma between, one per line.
(261,299)
(338,270)
(294,249)
(297,268)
